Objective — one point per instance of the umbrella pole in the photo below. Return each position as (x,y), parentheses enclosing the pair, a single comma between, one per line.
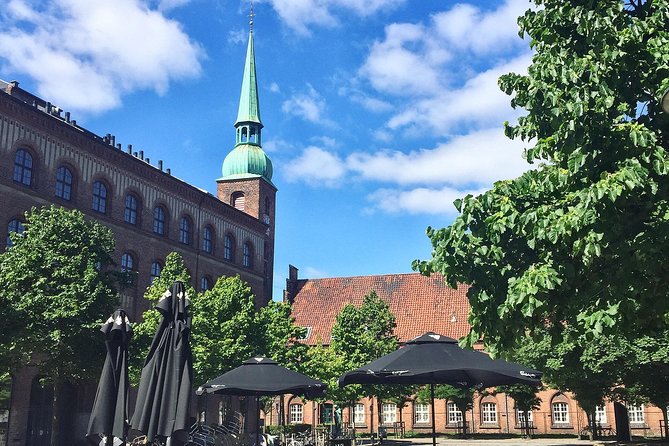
(258,418)
(434,431)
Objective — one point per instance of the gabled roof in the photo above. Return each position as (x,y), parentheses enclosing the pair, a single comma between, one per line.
(419,303)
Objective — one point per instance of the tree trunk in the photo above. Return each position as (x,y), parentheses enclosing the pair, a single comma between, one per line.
(666,427)
(55,420)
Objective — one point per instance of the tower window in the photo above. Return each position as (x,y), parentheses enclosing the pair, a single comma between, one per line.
(127,263)
(64,183)
(23,167)
(238,201)
(99,197)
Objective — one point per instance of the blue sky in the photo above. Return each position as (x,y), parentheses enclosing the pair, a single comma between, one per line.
(377,113)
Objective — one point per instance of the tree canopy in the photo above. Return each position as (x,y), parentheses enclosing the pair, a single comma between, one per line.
(57,287)
(582,239)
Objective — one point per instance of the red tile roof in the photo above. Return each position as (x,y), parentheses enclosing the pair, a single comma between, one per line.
(419,304)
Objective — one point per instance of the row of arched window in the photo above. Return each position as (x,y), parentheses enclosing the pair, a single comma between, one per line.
(100,203)
(129,264)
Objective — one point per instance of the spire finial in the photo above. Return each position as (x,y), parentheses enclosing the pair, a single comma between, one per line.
(251,15)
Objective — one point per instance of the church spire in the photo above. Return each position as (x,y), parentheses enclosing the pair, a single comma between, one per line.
(248,115)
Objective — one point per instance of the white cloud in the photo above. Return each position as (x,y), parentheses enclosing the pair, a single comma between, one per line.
(480,158)
(301,15)
(315,166)
(309,106)
(167,5)
(417,201)
(274,88)
(313,273)
(86,55)
(237,36)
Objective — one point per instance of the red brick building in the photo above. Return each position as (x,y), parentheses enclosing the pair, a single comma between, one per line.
(422,304)
(47,158)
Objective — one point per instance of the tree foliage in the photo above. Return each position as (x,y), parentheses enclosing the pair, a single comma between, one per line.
(57,287)
(581,240)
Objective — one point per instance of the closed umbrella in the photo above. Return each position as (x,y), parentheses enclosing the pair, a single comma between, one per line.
(110,409)
(163,397)
(262,376)
(436,359)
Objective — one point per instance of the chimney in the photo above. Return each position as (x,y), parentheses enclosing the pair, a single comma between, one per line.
(118,146)
(112,140)
(141,154)
(291,285)
(160,164)
(129,149)
(168,171)
(67,117)
(148,161)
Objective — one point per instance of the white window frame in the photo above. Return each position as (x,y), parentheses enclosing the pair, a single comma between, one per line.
(560,412)
(389,411)
(636,413)
(454,414)
(520,420)
(600,415)
(489,412)
(358,414)
(296,411)
(421,413)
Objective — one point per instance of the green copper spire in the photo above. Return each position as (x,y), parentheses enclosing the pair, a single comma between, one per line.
(249,106)
(247,159)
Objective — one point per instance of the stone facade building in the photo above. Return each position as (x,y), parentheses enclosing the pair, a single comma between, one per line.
(422,304)
(47,158)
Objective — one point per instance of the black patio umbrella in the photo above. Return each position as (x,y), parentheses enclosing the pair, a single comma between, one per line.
(163,397)
(436,359)
(110,409)
(262,376)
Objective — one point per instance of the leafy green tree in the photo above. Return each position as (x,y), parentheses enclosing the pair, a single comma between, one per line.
(225,328)
(363,334)
(582,239)
(57,283)
(280,335)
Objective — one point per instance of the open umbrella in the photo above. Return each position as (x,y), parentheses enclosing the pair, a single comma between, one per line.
(436,359)
(110,409)
(262,376)
(163,397)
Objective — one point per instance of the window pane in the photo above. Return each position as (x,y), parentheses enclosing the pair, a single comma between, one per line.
(389,413)
(454,414)
(636,414)
(560,413)
(159,221)
(99,197)
(489,413)
(127,262)
(207,240)
(64,183)
(155,271)
(16,226)
(247,259)
(228,248)
(130,214)
(296,413)
(359,414)
(23,167)
(205,283)
(184,231)
(421,413)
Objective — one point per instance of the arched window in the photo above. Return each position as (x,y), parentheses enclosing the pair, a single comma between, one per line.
(421,413)
(208,240)
(156,267)
(296,414)
(127,263)
(238,201)
(14,226)
(130,213)
(454,414)
(23,167)
(229,248)
(247,259)
(64,183)
(159,220)
(205,283)
(560,410)
(185,229)
(489,412)
(100,197)
(388,413)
